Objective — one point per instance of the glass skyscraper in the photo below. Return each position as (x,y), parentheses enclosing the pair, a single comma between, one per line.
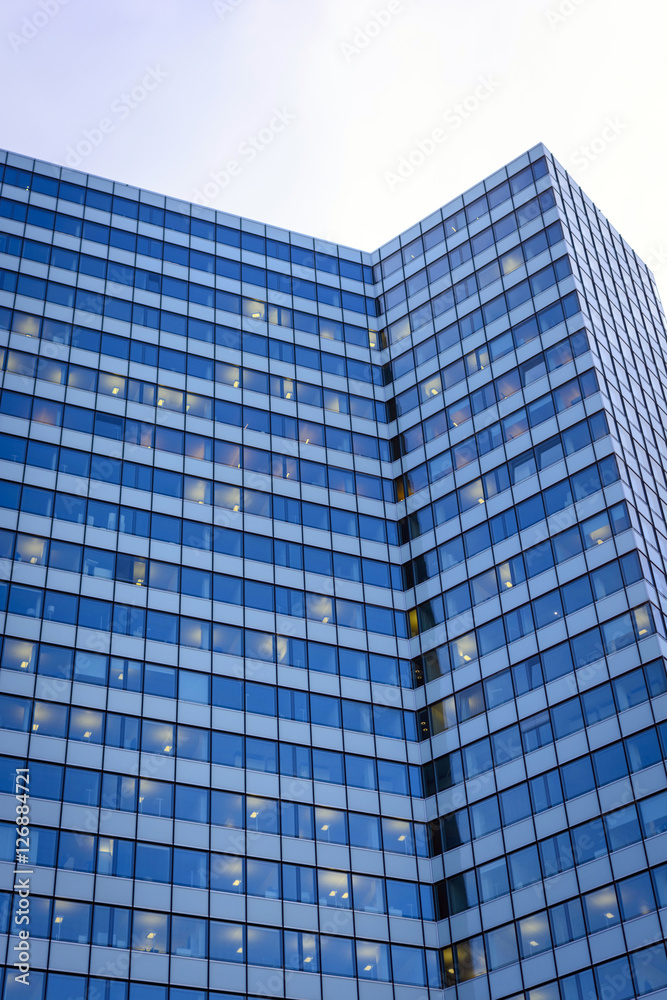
(333,588)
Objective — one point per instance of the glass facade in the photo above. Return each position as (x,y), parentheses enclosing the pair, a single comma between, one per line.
(332,589)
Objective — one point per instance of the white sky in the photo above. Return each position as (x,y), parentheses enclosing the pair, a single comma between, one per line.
(558,71)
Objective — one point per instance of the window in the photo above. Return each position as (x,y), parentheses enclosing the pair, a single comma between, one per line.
(534,934)
(337,956)
(477,758)
(301,951)
(360,771)
(485,817)
(622,827)
(227,942)
(334,889)
(649,967)
(515,804)
(461,893)
(408,965)
(643,750)
(111,926)
(397,836)
(155,797)
(469,702)
(76,852)
(263,878)
(364,831)
(153,862)
(373,961)
(71,921)
(524,867)
(598,704)
(545,790)
(577,778)
(264,946)
(493,880)
(403,899)
(191,803)
(369,894)
(567,922)
(48,719)
(261,815)
(191,868)
(636,896)
(260,698)
(501,947)
(653,814)
(296,820)
(589,841)
(189,936)
(299,883)
(601,909)
(556,854)
(566,718)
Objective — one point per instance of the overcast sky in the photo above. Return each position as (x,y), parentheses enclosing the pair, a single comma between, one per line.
(299,113)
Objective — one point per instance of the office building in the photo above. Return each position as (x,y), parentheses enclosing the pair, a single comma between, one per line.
(333,589)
